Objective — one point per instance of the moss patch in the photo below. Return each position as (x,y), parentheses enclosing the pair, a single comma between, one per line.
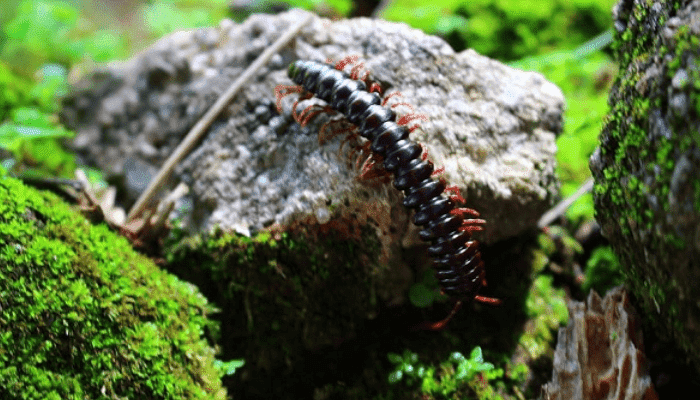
(283,296)
(84,316)
(646,170)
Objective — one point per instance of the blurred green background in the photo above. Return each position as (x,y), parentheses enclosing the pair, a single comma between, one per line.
(42,40)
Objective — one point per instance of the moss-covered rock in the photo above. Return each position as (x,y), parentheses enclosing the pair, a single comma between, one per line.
(647,190)
(305,309)
(285,299)
(83,316)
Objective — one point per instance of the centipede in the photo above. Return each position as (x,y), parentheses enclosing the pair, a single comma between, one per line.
(443,224)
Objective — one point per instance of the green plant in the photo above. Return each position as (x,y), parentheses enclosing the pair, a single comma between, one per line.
(29,130)
(546,306)
(163,17)
(506,29)
(405,367)
(14,89)
(227,368)
(584,75)
(39,40)
(322,7)
(603,270)
(31,137)
(42,31)
(456,374)
(426,291)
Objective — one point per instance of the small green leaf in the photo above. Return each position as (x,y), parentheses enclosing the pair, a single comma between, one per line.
(227,368)
(395,377)
(476,355)
(420,295)
(394,358)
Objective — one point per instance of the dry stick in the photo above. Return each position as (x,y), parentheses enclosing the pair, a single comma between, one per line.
(203,124)
(563,205)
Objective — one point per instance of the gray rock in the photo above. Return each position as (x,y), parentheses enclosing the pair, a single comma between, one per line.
(647,193)
(492,127)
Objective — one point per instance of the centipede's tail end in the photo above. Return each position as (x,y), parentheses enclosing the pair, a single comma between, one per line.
(488,300)
(439,325)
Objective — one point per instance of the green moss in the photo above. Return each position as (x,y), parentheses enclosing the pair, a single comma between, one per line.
(281,294)
(84,316)
(628,125)
(546,306)
(603,271)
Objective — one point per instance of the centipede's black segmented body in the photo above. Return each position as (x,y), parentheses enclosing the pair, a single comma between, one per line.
(455,257)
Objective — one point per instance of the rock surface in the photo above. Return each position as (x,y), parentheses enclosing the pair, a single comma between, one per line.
(647,193)
(599,355)
(491,126)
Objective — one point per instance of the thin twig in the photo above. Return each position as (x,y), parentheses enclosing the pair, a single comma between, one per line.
(203,124)
(564,205)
